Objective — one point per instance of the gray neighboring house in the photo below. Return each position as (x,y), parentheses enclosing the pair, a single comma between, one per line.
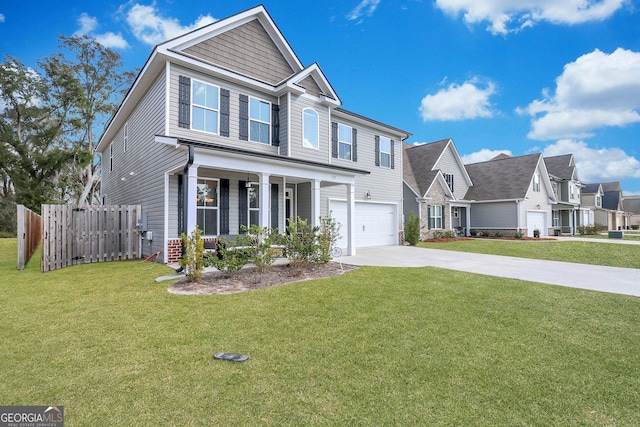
(511,194)
(567,213)
(632,207)
(224,127)
(607,200)
(435,183)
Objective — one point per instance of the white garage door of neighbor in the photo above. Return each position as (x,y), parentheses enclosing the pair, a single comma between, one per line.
(375,223)
(536,221)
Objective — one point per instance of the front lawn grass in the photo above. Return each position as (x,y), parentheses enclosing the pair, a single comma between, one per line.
(377,346)
(569,251)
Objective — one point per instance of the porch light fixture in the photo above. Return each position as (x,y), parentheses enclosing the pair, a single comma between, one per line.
(248,183)
(367,195)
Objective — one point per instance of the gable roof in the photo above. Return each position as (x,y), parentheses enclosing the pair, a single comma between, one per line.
(611,194)
(561,167)
(632,204)
(503,178)
(591,189)
(420,163)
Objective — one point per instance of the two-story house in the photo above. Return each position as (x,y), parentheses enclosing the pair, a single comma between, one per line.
(224,127)
(607,203)
(567,213)
(435,183)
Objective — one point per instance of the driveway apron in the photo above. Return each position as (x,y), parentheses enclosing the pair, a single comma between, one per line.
(616,280)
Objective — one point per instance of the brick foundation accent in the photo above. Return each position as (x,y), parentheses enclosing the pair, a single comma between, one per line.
(175,248)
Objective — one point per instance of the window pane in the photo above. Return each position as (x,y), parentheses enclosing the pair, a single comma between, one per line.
(212,97)
(199,93)
(385,145)
(197,118)
(344,133)
(254,202)
(211,121)
(259,132)
(211,222)
(385,160)
(254,108)
(345,151)
(310,124)
(265,112)
(254,217)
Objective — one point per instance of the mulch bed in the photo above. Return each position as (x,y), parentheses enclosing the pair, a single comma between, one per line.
(247,279)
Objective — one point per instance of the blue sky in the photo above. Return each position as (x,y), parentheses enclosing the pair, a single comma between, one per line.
(515,76)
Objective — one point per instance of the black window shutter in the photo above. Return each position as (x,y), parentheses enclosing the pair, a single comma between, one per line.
(275,125)
(442,217)
(393,166)
(334,139)
(354,144)
(274,205)
(224,206)
(243,209)
(244,117)
(184,102)
(224,112)
(429,218)
(377,150)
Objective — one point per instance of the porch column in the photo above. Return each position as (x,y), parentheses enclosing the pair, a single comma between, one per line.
(468,222)
(265,190)
(315,203)
(351,220)
(190,203)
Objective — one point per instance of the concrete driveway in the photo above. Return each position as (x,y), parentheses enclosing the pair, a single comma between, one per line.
(615,280)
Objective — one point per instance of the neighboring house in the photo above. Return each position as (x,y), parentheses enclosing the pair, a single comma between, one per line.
(224,128)
(435,182)
(607,201)
(511,194)
(567,214)
(632,207)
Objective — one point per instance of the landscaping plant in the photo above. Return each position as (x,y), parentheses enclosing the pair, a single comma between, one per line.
(193,255)
(412,229)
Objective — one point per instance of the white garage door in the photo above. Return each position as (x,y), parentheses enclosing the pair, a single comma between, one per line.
(537,221)
(376,223)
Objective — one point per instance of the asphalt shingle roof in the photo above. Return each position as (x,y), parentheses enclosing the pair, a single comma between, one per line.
(418,162)
(560,166)
(502,178)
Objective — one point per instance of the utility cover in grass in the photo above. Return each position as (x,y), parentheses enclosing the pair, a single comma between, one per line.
(232,357)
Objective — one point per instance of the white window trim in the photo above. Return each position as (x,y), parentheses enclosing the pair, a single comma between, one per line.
(256,187)
(536,182)
(217,207)
(304,143)
(111,157)
(435,217)
(350,143)
(260,121)
(192,104)
(384,152)
(125,135)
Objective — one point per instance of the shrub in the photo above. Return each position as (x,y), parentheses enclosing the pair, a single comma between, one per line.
(229,259)
(258,241)
(193,255)
(499,234)
(473,233)
(328,237)
(412,229)
(518,234)
(484,233)
(302,246)
(635,226)
(589,229)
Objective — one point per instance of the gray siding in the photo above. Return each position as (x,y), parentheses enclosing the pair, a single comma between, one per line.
(494,215)
(311,86)
(304,202)
(247,50)
(234,113)
(449,165)
(284,129)
(322,154)
(409,203)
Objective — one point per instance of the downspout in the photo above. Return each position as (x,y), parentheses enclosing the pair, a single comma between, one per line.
(185,193)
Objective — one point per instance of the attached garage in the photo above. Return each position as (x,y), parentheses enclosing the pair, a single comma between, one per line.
(376,223)
(537,221)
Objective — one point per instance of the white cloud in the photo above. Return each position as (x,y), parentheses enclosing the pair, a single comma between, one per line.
(505,16)
(365,7)
(150,27)
(595,91)
(596,164)
(468,100)
(483,155)
(110,40)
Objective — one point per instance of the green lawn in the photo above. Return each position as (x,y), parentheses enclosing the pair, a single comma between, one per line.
(569,251)
(377,346)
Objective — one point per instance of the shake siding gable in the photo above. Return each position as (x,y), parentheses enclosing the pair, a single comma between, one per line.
(247,50)
(448,164)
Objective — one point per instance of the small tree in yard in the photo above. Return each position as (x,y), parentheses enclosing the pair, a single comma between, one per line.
(193,256)
(412,229)
(329,235)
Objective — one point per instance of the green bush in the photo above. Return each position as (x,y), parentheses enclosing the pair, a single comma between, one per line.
(412,229)
(302,245)
(8,216)
(259,242)
(589,229)
(193,256)
(499,234)
(473,233)
(518,234)
(329,235)
(228,258)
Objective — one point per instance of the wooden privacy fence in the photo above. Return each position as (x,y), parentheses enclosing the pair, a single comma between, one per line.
(29,234)
(80,234)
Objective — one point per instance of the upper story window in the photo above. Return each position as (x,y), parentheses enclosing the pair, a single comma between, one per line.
(598,200)
(554,184)
(448,177)
(345,141)
(310,128)
(205,107)
(259,120)
(385,152)
(536,183)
